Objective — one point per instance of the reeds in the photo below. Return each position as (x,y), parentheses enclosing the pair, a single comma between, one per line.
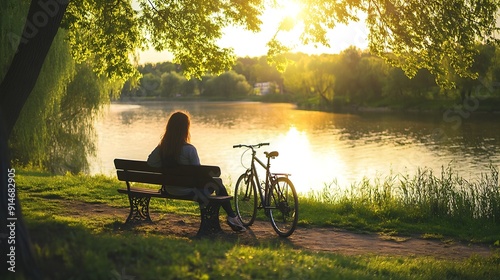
(423,195)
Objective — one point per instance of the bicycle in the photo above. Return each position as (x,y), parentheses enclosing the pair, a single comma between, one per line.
(277,194)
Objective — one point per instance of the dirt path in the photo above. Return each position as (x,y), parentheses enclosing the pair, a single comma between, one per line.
(311,239)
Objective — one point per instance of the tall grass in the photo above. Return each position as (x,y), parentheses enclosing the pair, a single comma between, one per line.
(449,195)
(423,195)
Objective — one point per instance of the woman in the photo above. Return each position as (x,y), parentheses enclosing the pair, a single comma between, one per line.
(175,148)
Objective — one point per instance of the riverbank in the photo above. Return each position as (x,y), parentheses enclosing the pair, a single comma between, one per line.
(465,107)
(471,105)
(76,224)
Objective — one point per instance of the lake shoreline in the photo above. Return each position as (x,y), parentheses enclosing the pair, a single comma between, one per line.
(346,110)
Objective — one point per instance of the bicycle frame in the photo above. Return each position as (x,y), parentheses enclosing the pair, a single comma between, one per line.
(263,191)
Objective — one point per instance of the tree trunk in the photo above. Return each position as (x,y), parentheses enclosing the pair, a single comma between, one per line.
(42,22)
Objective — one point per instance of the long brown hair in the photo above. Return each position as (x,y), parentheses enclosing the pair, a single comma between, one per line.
(176,135)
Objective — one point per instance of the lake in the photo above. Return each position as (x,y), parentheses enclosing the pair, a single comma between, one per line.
(317,148)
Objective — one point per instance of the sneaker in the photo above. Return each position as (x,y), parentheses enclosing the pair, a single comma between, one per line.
(235,224)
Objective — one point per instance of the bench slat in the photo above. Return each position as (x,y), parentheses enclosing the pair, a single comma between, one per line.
(142,191)
(183,170)
(158,179)
(156,193)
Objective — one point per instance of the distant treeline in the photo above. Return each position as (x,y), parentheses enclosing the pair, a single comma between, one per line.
(328,82)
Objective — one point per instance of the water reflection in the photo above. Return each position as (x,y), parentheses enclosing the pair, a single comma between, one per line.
(316,147)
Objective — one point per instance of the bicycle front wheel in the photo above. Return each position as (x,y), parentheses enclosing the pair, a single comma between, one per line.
(283,205)
(245,199)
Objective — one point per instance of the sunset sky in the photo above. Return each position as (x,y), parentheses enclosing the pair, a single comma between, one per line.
(247,43)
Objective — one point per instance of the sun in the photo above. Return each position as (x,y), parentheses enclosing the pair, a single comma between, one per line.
(287,12)
(254,44)
(283,18)
(288,8)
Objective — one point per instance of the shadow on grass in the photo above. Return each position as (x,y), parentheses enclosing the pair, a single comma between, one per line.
(72,251)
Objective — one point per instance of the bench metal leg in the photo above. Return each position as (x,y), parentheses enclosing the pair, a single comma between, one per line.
(139,209)
(209,218)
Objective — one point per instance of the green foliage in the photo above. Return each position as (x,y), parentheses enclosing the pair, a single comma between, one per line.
(105,34)
(431,34)
(55,129)
(337,82)
(436,35)
(151,84)
(172,84)
(439,36)
(165,80)
(227,85)
(353,78)
(74,140)
(276,55)
(190,30)
(453,197)
(32,135)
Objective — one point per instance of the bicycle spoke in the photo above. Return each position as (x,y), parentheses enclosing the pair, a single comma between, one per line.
(283,206)
(245,199)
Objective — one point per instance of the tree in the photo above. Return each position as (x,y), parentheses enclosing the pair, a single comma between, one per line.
(191,28)
(17,84)
(32,139)
(150,84)
(321,79)
(371,76)
(228,84)
(246,67)
(436,35)
(296,78)
(346,72)
(482,62)
(171,84)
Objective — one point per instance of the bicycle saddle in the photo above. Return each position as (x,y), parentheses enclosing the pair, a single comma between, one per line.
(272,154)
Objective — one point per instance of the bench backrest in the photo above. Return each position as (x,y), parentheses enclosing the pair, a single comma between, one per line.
(182,175)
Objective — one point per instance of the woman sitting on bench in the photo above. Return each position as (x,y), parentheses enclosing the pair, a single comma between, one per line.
(174,149)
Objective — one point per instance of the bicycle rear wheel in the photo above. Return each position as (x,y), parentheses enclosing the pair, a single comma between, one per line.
(283,206)
(245,199)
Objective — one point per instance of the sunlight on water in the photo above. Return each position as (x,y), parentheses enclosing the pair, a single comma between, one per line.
(298,157)
(317,148)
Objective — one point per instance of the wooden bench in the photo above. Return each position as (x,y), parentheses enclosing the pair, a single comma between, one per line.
(200,177)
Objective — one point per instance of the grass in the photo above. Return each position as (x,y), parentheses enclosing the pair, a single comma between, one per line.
(444,207)
(425,203)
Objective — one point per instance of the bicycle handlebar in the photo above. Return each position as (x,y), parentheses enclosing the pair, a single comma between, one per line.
(251,146)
